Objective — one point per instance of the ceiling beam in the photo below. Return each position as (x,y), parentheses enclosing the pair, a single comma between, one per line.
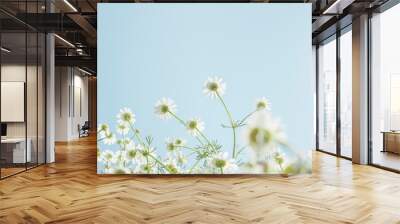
(81,61)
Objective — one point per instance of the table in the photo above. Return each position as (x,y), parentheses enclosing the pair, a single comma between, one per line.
(391,141)
(16,147)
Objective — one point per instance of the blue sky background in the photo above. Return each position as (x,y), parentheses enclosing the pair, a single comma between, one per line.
(150,51)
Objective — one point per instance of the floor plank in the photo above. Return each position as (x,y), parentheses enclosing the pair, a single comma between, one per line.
(70,191)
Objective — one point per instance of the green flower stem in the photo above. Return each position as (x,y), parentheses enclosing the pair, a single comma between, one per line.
(280,166)
(190,148)
(99,140)
(137,136)
(147,164)
(240,150)
(222,170)
(247,116)
(178,118)
(184,124)
(190,154)
(159,162)
(194,165)
(232,124)
(123,138)
(205,138)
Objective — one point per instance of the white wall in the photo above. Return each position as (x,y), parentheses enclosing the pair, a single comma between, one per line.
(79,117)
(12,73)
(70,83)
(33,127)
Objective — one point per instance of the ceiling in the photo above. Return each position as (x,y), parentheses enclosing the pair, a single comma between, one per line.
(75,21)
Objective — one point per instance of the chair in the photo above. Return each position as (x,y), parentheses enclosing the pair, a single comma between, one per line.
(84,130)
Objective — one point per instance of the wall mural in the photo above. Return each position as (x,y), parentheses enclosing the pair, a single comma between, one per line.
(161,113)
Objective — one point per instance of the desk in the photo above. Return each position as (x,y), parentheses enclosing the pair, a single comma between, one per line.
(391,141)
(16,147)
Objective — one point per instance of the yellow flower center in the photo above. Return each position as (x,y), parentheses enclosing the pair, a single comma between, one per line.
(164,109)
(171,146)
(145,153)
(220,163)
(212,86)
(132,154)
(259,136)
(261,105)
(108,156)
(171,168)
(103,127)
(119,171)
(192,125)
(126,116)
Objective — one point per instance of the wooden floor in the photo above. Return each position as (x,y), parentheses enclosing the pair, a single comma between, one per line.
(387,159)
(10,171)
(69,191)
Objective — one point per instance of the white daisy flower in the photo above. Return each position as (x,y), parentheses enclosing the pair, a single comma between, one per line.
(121,170)
(131,154)
(214,86)
(103,128)
(102,135)
(106,156)
(170,144)
(164,108)
(109,138)
(255,168)
(263,133)
(108,170)
(194,126)
(119,158)
(136,160)
(279,158)
(133,146)
(232,167)
(124,143)
(122,128)
(138,167)
(125,116)
(180,142)
(171,166)
(148,151)
(173,144)
(180,158)
(222,162)
(147,168)
(263,104)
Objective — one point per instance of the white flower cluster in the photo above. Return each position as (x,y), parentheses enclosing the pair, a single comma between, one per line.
(263,135)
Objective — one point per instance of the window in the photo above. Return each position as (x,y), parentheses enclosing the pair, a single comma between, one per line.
(346,93)
(327,96)
(22,76)
(385,89)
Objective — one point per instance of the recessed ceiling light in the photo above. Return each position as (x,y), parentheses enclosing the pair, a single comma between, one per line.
(70,5)
(84,71)
(64,40)
(337,7)
(5,50)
